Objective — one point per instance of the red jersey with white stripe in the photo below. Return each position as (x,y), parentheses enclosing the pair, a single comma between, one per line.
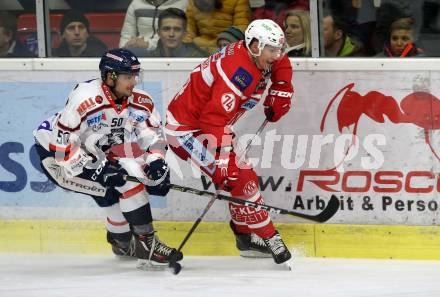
(91,122)
(221,89)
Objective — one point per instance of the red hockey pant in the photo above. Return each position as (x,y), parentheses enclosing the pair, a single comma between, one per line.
(246,219)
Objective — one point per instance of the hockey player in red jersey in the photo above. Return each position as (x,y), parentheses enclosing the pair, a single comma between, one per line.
(199,118)
(76,147)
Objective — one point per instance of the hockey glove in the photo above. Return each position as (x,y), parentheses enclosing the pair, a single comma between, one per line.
(277,102)
(109,174)
(226,174)
(158,171)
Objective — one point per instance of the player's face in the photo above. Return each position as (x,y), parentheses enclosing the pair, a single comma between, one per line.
(268,56)
(125,84)
(76,34)
(328,32)
(294,31)
(171,32)
(399,39)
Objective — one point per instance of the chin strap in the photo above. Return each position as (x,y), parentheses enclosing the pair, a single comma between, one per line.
(114,78)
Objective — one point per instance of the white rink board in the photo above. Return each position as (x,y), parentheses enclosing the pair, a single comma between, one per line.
(406,153)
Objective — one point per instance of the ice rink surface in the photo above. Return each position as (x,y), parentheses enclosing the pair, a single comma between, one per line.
(24,275)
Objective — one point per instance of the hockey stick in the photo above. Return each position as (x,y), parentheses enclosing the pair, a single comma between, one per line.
(325,215)
(176,267)
(248,145)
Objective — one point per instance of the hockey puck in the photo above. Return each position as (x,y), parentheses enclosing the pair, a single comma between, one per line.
(175,268)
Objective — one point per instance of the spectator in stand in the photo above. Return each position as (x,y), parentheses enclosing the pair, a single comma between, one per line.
(275,10)
(230,35)
(76,39)
(298,36)
(401,41)
(207,18)
(172,27)
(140,24)
(337,43)
(10,46)
(388,12)
(370,21)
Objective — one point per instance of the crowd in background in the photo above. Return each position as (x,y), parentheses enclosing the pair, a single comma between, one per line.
(197,28)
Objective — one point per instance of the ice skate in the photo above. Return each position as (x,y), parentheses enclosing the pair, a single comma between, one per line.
(250,245)
(153,254)
(279,251)
(124,250)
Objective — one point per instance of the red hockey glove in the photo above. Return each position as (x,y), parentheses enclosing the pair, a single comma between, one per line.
(277,102)
(226,174)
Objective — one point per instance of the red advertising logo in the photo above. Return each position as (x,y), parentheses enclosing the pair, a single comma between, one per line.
(418,108)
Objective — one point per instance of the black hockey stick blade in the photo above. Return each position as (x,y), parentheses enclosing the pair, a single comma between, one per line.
(323,216)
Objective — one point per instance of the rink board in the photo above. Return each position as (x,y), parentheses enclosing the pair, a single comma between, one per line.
(391,177)
(390,207)
(216,239)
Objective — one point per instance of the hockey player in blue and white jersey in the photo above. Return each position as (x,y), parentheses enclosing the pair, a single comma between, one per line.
(78,145)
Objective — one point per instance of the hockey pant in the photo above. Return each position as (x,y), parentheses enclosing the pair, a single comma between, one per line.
(127,207)
(245,219)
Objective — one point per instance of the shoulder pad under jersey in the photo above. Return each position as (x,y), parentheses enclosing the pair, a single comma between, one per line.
(142,99)
(84,98)
(238,66)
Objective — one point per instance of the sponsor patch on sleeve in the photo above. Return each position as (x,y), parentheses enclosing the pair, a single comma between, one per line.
(241,79)
(249,104)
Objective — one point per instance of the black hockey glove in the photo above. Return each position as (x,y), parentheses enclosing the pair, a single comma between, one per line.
(109,174)
(158,171)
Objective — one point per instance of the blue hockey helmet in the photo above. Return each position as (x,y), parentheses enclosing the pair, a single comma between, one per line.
(119,61)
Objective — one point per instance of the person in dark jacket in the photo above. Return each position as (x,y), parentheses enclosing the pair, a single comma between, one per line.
(401,41)
(337,42)
(76,39)
(172,24)
(10,46)
(230,35)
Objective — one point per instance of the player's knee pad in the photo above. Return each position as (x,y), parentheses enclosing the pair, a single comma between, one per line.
(116,223)
(139,216)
